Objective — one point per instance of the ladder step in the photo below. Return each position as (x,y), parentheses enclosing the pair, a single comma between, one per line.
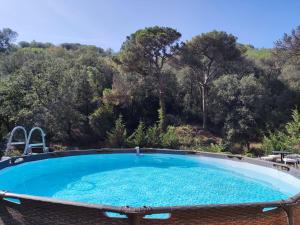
(36,144)
(18,143)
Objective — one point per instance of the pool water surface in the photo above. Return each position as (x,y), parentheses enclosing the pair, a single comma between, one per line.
(150,179)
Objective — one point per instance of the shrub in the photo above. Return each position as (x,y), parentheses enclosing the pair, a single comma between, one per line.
(255,152)
(293,131)
(153,137)
(288,139)
(58,147)
(187,136)
(215,148)
(102,119)
(209,142)
(169,139)
(118,135)
(13,153)
(275,142)
(138,137)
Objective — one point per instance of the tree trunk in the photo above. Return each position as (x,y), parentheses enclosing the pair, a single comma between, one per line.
(162,112)
(204,107)
(162,107)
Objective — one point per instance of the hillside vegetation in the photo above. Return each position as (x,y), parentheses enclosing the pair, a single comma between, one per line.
(210,93)
(259,53)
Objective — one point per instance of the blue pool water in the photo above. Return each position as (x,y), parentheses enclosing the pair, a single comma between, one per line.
(150,179)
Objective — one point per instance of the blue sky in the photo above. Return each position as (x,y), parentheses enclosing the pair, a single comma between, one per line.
(106,23)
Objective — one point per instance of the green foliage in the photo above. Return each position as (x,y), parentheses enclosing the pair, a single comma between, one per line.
(287,49)
(7,37)
(275,142)
(209,55)
(55,89)
(102,119)
(293,131)
(258,54)
(237,103)
(290,76)
(75,91)
(13,153)
(162,118)
(195,138)
(145,52)
(138,137)
(217,148)
(169,139)
(288,139)
(153,136)
(117,137)
(293,127)
(58,147)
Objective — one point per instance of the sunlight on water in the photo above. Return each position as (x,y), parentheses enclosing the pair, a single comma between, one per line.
(150,179)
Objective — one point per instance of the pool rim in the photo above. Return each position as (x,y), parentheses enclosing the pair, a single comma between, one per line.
(147,210)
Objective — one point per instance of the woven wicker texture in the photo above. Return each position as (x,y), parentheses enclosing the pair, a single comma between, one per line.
(42,212)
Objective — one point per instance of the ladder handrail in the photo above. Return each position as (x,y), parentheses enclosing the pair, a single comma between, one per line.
(28,145)
(10,140)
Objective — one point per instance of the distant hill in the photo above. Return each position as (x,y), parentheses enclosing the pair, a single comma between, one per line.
(258,53)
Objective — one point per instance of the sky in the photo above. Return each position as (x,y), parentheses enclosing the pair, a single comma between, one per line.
(106,23)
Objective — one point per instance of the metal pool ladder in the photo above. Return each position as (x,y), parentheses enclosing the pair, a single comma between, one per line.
(28,147)
(10,142)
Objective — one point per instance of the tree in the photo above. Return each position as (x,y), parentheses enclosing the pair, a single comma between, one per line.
(145,52)
(209,55)
(138,137)
(287,58)
(118,135)
(57,89)
(237,105)
(287,49)
(293,131)
(287,138)
(7,37)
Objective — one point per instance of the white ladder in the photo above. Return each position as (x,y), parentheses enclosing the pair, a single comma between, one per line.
(11,143)
(28,147)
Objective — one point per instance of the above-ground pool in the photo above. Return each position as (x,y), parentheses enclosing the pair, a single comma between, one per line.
(125,179)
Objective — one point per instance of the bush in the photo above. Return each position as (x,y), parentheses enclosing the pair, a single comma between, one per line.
(58,147)
(288,139)
(138,137)
(13,153)
(153,137)
(215,148)
(293,131)
(187,136)
(101,120)
(275,142)
(117,137)
(255,152)
(170,139)
(209,142)
(172,120)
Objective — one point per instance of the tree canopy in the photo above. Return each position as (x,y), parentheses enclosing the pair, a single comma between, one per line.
(209,56)
(210,93)
(7,37)
(145,52)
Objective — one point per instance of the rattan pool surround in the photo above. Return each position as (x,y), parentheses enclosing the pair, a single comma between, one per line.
(27,209)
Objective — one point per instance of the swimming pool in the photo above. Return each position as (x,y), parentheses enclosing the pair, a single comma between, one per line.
(148,180)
